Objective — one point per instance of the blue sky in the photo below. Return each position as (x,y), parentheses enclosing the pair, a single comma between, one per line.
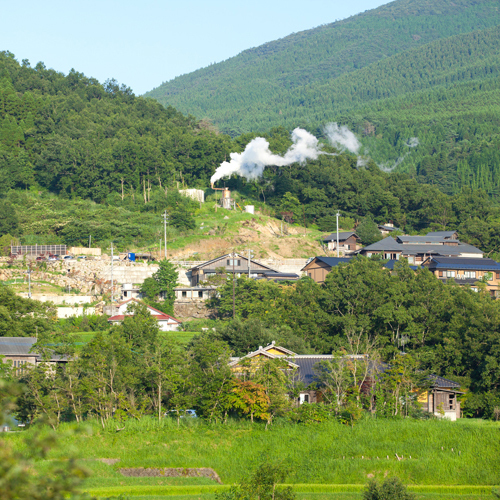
(143,44)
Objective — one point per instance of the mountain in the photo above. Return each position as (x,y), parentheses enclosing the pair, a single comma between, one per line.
(256,82)
(411,68)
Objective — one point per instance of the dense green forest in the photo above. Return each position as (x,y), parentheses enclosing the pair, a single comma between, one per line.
(80,158)
(407,69)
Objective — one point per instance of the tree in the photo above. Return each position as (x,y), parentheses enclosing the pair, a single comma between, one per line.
(9,222)
(182,218)
(390,489)
(166,277)
(250,398)
(368,231)
(290,205)
(150,289)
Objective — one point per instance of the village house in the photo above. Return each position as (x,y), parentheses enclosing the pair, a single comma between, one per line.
(348,242)
(466,272)
(440,399)
(387,229)
(239,265)
(416,249)
(319,267)
(19,351)
(166,322)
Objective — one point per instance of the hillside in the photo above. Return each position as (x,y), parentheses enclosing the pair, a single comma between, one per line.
(263,76)
(364,72)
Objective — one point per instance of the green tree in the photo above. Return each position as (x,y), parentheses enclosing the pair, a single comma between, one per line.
(368,231)
(182,218)
(166,277)
(150,289)
(390,489)
(9,222)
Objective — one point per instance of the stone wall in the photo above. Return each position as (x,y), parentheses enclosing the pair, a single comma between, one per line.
(185,310)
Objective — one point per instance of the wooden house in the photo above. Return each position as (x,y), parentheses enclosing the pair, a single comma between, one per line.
(231,263)
(442,398)
(19,350)
(349,242)
(466,272)
(319,267)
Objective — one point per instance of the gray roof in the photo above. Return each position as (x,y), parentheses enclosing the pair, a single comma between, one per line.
(344,235)
(423,239)
(388,228)
(330,261)
(16,346)
(463,263)
(389,244)
(230,256)
(442,234)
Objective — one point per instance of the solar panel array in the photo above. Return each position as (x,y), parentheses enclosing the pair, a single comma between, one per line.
(38,250)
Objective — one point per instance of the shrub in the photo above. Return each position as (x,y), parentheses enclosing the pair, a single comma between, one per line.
(390,489)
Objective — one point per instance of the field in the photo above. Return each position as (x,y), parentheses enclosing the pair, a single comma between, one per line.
(438,459)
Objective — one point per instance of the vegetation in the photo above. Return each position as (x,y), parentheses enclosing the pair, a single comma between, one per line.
(404,70)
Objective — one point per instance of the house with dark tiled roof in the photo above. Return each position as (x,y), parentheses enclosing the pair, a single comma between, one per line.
(416,249)
(19,350)
(319,267)
(447,235)
(231,263)
(466,272)
(348,242)
(166,322)
(440,399)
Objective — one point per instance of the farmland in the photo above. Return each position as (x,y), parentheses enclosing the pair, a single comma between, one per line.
(437,459)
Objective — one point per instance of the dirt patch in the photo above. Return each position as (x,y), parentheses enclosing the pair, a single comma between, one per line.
(170,472)
(109,461)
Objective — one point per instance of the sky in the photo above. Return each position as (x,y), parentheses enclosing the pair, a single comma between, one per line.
(143,44)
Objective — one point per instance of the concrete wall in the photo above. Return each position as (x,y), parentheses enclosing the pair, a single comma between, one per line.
(66,312)
(61,299)
(85,251)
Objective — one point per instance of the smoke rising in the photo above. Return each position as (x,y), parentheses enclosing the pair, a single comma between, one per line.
(342,137)
(413,142)
(257,156)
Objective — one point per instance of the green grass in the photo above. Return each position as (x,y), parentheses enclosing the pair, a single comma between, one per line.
(453,454)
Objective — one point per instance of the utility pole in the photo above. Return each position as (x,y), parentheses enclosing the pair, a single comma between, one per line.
(234,290)
(338,215)
(250,255)
(165,220)
(90,240)
(29,281)
(112,287)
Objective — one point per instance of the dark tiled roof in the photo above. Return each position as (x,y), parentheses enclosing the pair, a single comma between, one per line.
(389,244)
(306,373)
(344,235)
(333,261)
(389,228)
(229,256)
(463,263)
(442,234)
(443,382)
(16,346)
(392,262)
(423,239)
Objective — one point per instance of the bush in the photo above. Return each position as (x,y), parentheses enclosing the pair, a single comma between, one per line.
(390,489)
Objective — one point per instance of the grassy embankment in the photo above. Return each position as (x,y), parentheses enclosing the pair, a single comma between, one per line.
(181,337)
(40,219)
(448,460)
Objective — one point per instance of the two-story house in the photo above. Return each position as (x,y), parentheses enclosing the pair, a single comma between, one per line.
(466,271)
(349,242)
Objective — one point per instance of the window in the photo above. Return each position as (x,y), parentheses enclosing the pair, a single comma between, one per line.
(200,295)
(233,262)
(440,274)
(470,274)
(450,274)
(184,294)
(310,275)
(304,398)
(125,294)
(411,259)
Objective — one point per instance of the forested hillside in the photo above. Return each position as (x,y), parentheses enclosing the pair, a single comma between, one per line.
(407,69)
(85,142)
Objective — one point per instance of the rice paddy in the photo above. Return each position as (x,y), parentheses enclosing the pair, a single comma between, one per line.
(437,459)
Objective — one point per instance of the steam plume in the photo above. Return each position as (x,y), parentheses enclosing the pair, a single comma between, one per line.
(342,137)
(257,156)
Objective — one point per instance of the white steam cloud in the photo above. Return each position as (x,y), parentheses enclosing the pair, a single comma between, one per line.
(342,138)
(257,156)
(413,142)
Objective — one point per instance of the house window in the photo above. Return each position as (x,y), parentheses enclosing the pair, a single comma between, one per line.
(348,247)
(470,274)
(233,262)
(498,276)
(440,274)
(125,294)
(304,398)
(411,259)
(473,288)
(450,274)
(200,295)
(310,275)
(451,401)
(184,294)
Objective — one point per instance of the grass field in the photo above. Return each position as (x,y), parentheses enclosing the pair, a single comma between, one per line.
(329,461)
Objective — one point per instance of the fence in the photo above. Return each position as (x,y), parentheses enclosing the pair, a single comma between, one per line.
(38,250)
